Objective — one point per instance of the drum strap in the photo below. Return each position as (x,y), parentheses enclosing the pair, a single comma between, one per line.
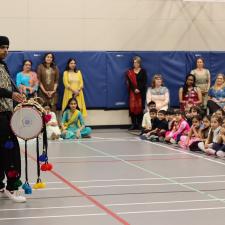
(26,185)
(38,162)
(26,169)
(45,139)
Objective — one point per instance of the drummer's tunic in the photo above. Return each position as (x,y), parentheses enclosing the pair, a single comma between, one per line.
(9,146)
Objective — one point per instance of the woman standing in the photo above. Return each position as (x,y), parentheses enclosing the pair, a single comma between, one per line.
(203,79)
(48,76)
(136,79)
(216,94)
(158,93)
(27,81)
(189,94)
(73,82)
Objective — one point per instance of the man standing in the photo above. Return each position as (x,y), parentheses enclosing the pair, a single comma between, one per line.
(10,162)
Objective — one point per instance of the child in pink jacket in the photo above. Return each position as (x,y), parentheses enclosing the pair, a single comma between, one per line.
(181,127)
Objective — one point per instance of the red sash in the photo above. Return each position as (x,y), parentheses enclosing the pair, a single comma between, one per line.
(135,101)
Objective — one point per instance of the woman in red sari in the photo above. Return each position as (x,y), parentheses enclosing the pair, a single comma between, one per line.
(137,81)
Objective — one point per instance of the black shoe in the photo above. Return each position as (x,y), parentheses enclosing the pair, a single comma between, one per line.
(139,127)
(132,127)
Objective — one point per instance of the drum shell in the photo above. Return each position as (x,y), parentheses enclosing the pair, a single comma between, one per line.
(27,122)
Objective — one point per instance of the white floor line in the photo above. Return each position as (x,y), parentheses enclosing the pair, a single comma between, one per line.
(158,184)
(48,217)
(114,138)
(135,179)
(132,185)
(187,153)
(171,210)
(92,141)
(33,142)
(150,172)
(103,156)
(48,208)
(109,138)
(109,205)
(162,202)
(118,213)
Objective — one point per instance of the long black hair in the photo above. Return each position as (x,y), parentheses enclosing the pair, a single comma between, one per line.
(185,87)
(68,104)
(68,62)
(53,59)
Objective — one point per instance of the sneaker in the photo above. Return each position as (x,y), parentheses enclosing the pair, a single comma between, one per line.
(220,154)
(172,141)
(132,127)
(143,137)
(152,138)
(210,151)
(87,136)
(16,196)
(161,139)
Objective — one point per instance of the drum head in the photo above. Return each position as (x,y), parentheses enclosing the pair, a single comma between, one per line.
(26,123)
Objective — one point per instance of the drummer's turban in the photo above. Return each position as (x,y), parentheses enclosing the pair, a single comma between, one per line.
(4,40)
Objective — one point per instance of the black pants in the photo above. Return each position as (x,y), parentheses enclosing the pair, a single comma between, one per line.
(9,155)
(213,107)
(136,120)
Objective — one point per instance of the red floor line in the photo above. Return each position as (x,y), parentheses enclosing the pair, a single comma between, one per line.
(98,204)
(116,161)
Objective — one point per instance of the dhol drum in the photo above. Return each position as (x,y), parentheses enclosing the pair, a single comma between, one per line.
(27,120)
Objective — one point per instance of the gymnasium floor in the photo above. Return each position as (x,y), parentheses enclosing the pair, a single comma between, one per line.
(115,178)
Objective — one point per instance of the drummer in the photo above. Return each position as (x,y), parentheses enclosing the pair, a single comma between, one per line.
(10,161)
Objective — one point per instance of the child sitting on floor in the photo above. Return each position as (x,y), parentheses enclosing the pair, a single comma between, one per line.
(73,125)
(146,121)
(53,131)
(193,135)
(154,121)
(214,132)
(218,147)
(204,133)
(158,134)
(170,118)
(181,128)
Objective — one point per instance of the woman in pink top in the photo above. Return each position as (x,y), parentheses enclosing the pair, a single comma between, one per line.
(158,93)
(27,81)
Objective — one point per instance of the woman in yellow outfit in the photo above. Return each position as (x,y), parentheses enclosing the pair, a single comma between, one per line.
(73,82)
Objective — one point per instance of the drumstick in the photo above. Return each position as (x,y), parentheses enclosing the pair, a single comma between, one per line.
(14,85)
(17,89)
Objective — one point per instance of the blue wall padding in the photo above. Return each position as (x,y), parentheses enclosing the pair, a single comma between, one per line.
(104,72)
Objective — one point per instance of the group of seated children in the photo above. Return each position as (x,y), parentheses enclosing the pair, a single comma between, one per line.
(190,130)
(72,123)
